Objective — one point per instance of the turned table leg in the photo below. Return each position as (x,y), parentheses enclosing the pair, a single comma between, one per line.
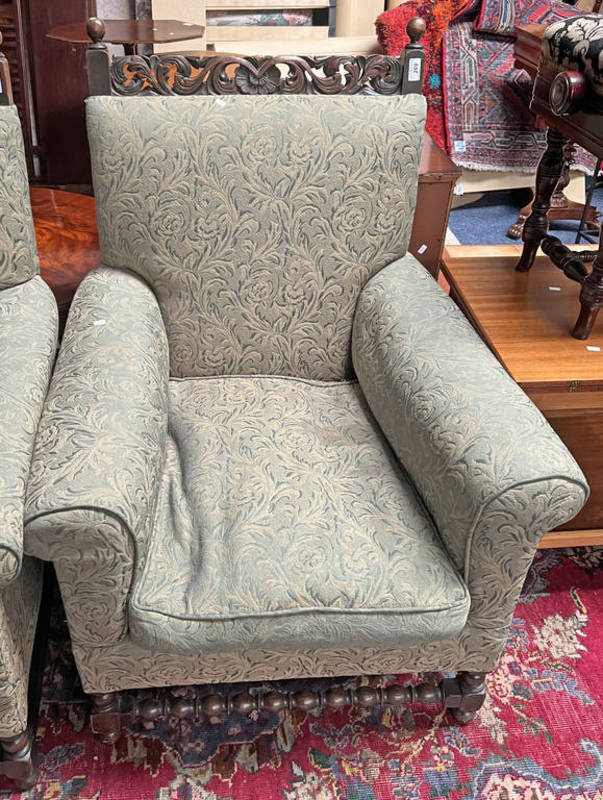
(591,297)
(550,170)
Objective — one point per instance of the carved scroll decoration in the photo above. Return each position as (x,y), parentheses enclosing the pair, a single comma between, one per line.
(172,74)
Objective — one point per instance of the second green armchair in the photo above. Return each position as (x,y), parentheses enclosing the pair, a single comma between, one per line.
(28,339)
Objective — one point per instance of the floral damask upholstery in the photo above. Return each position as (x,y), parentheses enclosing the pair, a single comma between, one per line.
(577,44)
(272,447)
(28,337)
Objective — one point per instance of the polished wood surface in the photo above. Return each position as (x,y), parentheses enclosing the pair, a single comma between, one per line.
(67,239)
(131,31)
(525,319)
(569,539)
(528,43)
(438,175)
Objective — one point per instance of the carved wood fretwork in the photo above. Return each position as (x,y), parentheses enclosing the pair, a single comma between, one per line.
(170,74)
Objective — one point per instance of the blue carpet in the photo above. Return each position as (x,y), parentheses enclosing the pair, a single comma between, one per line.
(487,220)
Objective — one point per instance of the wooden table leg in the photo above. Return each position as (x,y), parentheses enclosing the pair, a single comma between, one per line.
(591,298)
(548,174)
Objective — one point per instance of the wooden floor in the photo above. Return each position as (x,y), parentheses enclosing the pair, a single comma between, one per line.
(526,319)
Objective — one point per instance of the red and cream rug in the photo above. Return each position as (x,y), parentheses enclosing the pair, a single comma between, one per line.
(539,736)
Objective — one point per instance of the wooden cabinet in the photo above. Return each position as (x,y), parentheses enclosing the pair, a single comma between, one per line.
(437,177)
(14,47)
(49,84)
(357,17)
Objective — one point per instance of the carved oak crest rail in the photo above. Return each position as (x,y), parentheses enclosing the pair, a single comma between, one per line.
(179,74)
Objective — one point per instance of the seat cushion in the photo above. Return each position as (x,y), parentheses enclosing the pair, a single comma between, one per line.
(284,521)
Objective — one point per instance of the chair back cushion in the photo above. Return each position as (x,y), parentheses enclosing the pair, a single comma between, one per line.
(18,251)
(256,220)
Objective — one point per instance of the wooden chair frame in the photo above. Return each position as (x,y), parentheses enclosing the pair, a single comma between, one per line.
(188,74)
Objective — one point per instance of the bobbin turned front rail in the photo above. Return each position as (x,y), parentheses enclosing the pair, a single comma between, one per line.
(463,695)
(179,74)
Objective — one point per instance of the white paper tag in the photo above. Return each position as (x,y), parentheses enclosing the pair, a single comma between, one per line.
(98,322)
(460,146)
(554,288)
(591,348)
(459,188)
(414,69)
(422,249)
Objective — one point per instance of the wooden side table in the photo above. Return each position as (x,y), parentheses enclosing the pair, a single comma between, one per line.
(563,100)
(131,32)
(524,319)
(528,43)
(67,238)
(438,175)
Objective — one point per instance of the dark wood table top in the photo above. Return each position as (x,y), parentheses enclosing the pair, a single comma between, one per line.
(67,238)
(131,31)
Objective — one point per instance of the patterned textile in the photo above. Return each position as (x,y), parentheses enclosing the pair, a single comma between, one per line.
(18,251)
(391,31)
(28,337)
(496,17)
(577,44)
(109,386)
(538,736)
(237,210)
(19,604)
(447,406)
(489,124)
(284,522)
(281,18)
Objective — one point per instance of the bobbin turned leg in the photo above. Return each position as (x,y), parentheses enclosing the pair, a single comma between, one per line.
(17,760)
(548,174)
(591,297)
(464,695)
(105,716)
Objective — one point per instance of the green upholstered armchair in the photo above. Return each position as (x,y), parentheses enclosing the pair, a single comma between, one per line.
(272,446)
(28,338)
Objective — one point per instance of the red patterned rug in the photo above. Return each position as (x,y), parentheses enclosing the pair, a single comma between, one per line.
(488,122)
(391,30)
(478,103)
(539,736)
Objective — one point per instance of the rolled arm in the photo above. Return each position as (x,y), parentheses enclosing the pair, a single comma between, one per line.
(28,337)
(99,451)
(491,471)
